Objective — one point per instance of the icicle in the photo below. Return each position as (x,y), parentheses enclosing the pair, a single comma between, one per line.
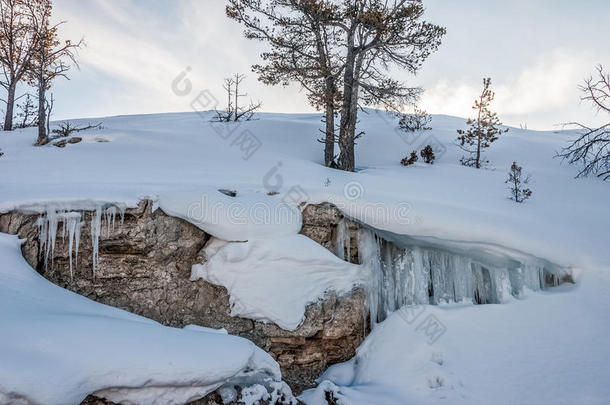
(96,227)
(77,232)
(369,255)
(51,236)
(63,230)
(339,241)
(110,215)
(72,222)
(42,224)
(71,231)
(343,241)
(347,242)
(412,275)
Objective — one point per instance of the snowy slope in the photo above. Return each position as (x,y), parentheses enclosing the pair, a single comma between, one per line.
(151,155)
(57,347)
(551,348)
(547,348)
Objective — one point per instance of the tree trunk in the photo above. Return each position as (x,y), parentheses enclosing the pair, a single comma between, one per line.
(477,163)
(329,142)
(42,115)
(349,111)
(10,106)
(346,134)
(478,159)
(236,97)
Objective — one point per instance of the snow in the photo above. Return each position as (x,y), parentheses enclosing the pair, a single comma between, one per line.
(57,347)
(274,280)
(544,347)
(183,153)
(246,216)
(548,349)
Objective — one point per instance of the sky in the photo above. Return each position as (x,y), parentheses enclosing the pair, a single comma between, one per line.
(537,52)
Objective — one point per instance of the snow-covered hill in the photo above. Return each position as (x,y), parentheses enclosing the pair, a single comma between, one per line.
(149,155)
(549,348)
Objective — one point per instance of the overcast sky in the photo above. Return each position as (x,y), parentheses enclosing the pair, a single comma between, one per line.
(536,51)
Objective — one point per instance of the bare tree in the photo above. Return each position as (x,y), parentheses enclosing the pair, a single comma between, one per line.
(227,115)
(245,113)
(66,129)
(300,35)
(483,131)
(51,59)
(17,45)
(234,112)
(418,121)
(592,147)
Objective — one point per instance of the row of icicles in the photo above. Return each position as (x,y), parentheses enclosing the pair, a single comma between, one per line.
(412,275)
(72,223)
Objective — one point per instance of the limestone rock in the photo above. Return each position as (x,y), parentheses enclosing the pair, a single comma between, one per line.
(320,223)
(144,268)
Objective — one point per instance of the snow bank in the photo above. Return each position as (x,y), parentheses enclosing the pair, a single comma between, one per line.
(274,280)
(549,349)
(67,347)
(248,215)
(162,154)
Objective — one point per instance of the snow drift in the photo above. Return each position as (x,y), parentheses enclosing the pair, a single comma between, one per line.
(57,347)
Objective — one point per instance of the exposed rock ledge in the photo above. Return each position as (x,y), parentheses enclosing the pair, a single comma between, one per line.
(144,267)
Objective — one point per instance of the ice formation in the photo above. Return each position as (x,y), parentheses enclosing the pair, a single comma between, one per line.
(72,222)
(342,240)
(96,228)
(403,274)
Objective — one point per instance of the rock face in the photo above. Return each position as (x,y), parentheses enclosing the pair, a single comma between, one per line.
(212,399)
(144,267)
(322,223)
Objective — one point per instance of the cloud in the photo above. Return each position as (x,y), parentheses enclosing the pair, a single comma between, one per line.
(545,93)
(136,48)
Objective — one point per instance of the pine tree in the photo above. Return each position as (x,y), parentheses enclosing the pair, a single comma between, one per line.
(516,182)
(483,130)
(299,34)
(352,45)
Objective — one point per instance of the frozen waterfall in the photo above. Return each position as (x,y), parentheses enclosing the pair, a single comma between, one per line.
(405,271)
